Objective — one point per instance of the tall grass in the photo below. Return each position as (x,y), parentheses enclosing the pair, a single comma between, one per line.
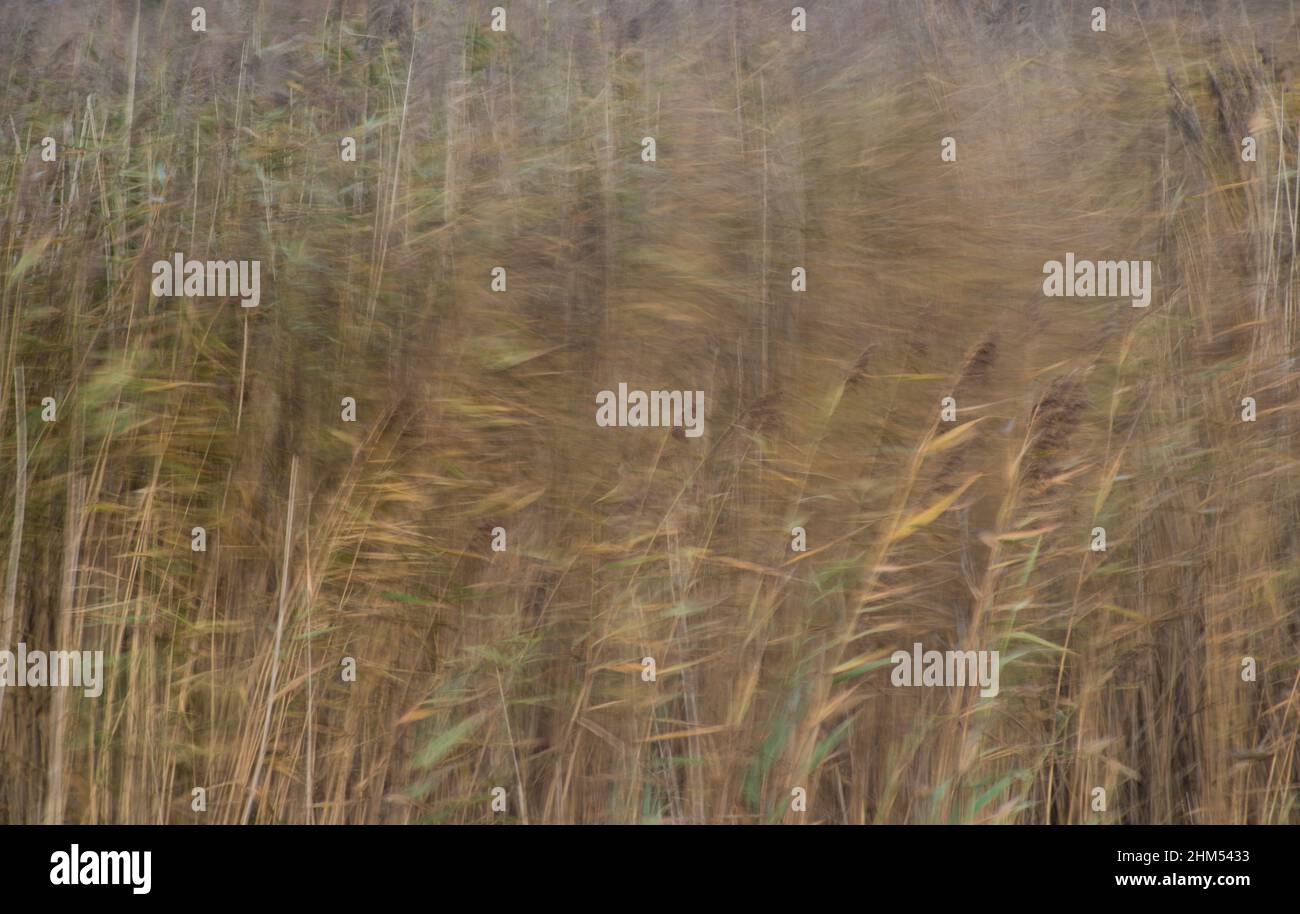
(522,669)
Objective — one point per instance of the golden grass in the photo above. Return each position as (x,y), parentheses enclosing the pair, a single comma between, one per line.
(521,669)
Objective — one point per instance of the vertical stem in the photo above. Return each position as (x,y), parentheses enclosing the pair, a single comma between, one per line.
(55,785)
(16,538)
(130,78)
(279,633)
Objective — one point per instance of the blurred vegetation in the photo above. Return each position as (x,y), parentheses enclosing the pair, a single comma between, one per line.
(522,669)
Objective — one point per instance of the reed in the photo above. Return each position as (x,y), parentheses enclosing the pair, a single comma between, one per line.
(371,541)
